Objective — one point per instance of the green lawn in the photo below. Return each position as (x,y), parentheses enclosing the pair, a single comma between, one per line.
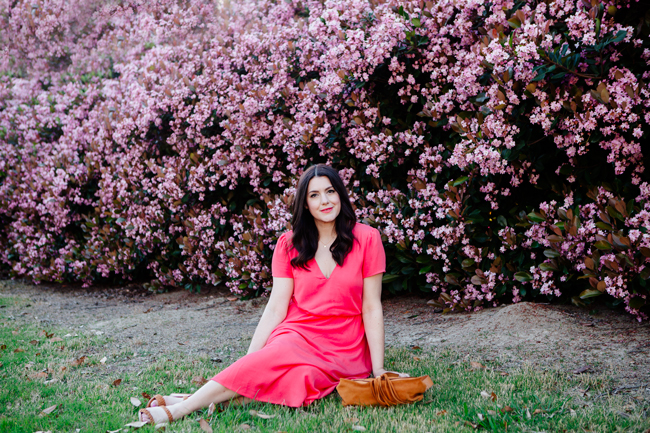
(86,398)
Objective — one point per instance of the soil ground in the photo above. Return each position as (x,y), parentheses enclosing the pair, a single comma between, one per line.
(215,324)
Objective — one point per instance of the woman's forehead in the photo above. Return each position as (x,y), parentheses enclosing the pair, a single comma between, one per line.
(319,183)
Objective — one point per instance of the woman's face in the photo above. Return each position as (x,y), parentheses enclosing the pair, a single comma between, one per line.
(323,201)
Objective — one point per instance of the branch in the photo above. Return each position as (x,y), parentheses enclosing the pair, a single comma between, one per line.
(569,70)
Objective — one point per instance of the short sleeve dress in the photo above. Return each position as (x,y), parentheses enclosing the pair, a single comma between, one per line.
(322,338)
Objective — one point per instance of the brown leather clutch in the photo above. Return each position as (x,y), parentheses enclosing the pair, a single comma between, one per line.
(386,390)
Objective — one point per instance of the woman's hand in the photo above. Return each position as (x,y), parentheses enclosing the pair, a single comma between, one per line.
(381,371)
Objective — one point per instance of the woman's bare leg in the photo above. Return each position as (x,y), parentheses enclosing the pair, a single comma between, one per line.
(211,392)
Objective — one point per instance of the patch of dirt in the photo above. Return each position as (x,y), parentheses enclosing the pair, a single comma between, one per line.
(213,324)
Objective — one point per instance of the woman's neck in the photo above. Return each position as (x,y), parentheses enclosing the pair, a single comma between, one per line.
(326,231)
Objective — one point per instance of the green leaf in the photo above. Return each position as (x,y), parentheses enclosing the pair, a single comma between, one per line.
(416,22)
(502,220)
(636,302)
(551,254)
(613,212)
(602,225)
(451,279)
(523,276)
(603,245)
(536,217)
(547,267)
(467,263)
(619,36)
(540,76)
(514,23)
(387,278)
(590,293)
(461,180)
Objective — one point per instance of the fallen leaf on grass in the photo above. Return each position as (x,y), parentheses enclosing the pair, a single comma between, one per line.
(135,402)
(183,344)
(103,360)
(40,374)
(492,396)
(114,431)
(136,424)
(244,426)
(77,362)
(205,426)
(503,373)
(261,415)
(476,365)
(505,409)
(146,396)
(582,369)
(441,413)
(480,416)
(415,358)
(116,382)
(573,413)
(232,298)
(352,420)
(19,350)
(199,380)
(491,412)
(358,428)
(57,339)
(537,411)
(33,342)
(1,364)
(3,346)
(47,411)
(211,409)
(474,426)
(14,332)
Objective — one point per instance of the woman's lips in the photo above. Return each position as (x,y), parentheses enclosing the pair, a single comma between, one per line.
(328,210)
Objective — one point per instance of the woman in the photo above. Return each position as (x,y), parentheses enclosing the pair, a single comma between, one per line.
(323,320)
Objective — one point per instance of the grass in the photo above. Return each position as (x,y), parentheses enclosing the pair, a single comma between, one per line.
(87,397)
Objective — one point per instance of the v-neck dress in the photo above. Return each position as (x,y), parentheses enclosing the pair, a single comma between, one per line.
(322,338)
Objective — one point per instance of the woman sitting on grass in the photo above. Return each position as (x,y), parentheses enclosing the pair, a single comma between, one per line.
(323,321)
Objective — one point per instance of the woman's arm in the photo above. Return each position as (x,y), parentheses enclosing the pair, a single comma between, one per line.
(373,322)
(274,313)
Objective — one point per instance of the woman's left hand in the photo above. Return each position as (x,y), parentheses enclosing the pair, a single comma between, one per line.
(381,371)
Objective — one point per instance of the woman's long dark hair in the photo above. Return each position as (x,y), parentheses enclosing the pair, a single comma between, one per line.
(305,233)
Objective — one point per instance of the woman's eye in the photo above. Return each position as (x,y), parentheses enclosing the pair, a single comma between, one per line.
(331,191)
(312,196)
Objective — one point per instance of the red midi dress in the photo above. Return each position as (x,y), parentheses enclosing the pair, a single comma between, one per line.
(322,338)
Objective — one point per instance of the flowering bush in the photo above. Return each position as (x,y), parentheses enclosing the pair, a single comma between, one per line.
(498,146)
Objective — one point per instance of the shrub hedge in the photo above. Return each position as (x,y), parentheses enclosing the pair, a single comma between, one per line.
(498,146)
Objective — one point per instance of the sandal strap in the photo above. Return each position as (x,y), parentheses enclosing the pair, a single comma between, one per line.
(146,412)
(169,414)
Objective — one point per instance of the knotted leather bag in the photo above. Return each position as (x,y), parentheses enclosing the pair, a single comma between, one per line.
(386,390)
